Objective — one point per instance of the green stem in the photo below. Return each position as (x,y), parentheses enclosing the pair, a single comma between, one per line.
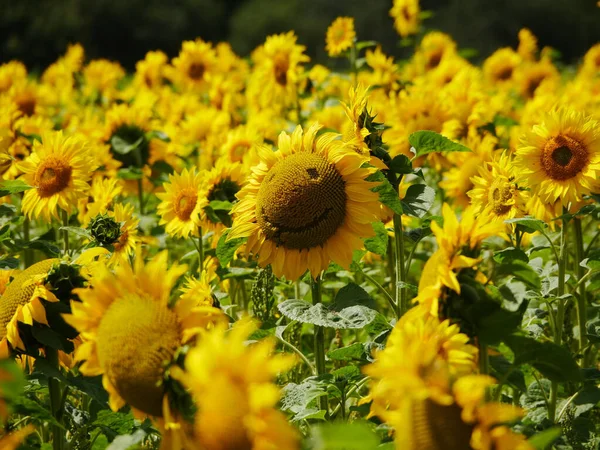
(353,67)
(140,184)
(28,255)
(200,251)
(389,298)
(244,295)
(560,314)
(65,219)
(297,290)
(582,299)
(299,353)
(401,306)
(54,388)
(319,340)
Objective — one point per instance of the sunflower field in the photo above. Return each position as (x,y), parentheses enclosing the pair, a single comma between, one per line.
(218,252)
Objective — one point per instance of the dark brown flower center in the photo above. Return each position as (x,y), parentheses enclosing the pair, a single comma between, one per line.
(184,204)
(52,176)
(196,71)
(439,427)
(563,157)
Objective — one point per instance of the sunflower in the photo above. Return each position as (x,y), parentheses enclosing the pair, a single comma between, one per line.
(240,145)
(406,16)
(221,184)
(194,64)
(129,239)
(58,169)
(149,72)
(589,68)
(181,207)
(385,71)
(496,193)
(100,78)
(340,36)
(527,44)
(499,68)
(560,158)
(424,385)
(306,204)
(231,383)
(532,75)
(127,126)
(100,197)
(433,49)
(132,355)
(11,72)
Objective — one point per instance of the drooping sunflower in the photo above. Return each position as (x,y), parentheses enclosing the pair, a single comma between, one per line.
(340,36)
(132,355)
(181,207)
(59,169)
(306,204)
(231,383)
(406,16)
(496,193)
(560,158)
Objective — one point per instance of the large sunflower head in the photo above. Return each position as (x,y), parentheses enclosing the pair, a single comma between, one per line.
(560,158)
(231,383)
(340,35)
(306,204)
(59,169)
(132,355)
(181,208)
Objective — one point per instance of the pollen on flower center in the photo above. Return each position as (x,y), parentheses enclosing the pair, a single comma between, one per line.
(501,195)
(563,157)
(52,176)
(135,338)
(196,71)
(185,203)
(301,202)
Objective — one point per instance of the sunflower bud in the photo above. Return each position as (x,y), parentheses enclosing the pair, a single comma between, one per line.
(105,230)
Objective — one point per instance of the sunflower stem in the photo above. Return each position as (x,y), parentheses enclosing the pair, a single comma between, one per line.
(319,340)
(28,255)
(65,220)
(560,313)
(401,306)
(582,299)
(353,68)
(141,195)
(56,396)
(200,252)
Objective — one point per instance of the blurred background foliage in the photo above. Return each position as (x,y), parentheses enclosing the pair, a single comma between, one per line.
(37,31)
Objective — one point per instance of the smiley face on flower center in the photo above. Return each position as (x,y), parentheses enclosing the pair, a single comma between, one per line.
(302,202)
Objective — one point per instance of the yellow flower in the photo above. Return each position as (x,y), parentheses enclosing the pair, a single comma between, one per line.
(532,75)
(101,77)
(385,71)
(128,241)
(241,144)
(99,199)
(231,383)
(149,72)
(306,204)
(499,68)
(127,125)
(131,355)
(340,36)
(527,44)
(181,207)
(496,192)
(406,16)
(59,169)
(11,72)
(560,158)
(194,64)
(433,49)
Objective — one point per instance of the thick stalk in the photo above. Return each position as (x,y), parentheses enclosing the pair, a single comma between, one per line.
(401,306)
(65,219)
(560,314)
(58,437)
(582,299)
(319,339)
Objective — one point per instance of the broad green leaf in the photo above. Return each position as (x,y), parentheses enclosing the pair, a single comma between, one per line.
(160,135)
(344,436)
(504,370)
(125,442)
(219,205)
(378,244)
(9,263)
(8,187)
(77,231)
(387,194)
(510,254)
(586,399)
(529,224)
(91,386)
(365,44)
(25,406)
(7,209)
(418,200)
(130,173)
(226,248)
(352,295)
(553,361)
(320,315)
(12,380)
(401,165)
(544,439)
(425,142)
(300,399)
(114,424)
(522,272)
(123,147)
(353,352)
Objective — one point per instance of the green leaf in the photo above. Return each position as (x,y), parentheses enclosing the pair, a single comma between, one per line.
(8,187)
(300,399)
(503,369)
(522,272)
(344,436)
(91,386)
(510,254)
(160,135)
(352,295)
(130,173)
(586,399)
(12,381)
(529,224)
(354,352)
(387,194)
(123,147)
(48,337)
(425,142)
(544,439)
(554,362)
(77,231)
(378,244)
(401,164)
(227,248)
(25,406)
(9,262)
(7,209)
(114,424)
(48,247)
(365,44)
(127,441)
(353,317)
(219,205)
(418,200)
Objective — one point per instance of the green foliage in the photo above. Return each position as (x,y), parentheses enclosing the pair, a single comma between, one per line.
(425,142)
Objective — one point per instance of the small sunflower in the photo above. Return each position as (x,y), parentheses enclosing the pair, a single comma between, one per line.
(560,158)
(194,64)
(100,78)
(181,207)
(149,72)
(129,239)
(132,355)
(306,204)
(127,126)
(11,72)
(532,75)
(231,383)
(240,145)
(59,169)
(499,68)
(102,193)
(340,36)
(406,16)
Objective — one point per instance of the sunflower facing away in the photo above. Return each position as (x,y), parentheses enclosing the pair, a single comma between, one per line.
(340,36)
(132,354)
(59,169)
(560,159)
(306,204)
